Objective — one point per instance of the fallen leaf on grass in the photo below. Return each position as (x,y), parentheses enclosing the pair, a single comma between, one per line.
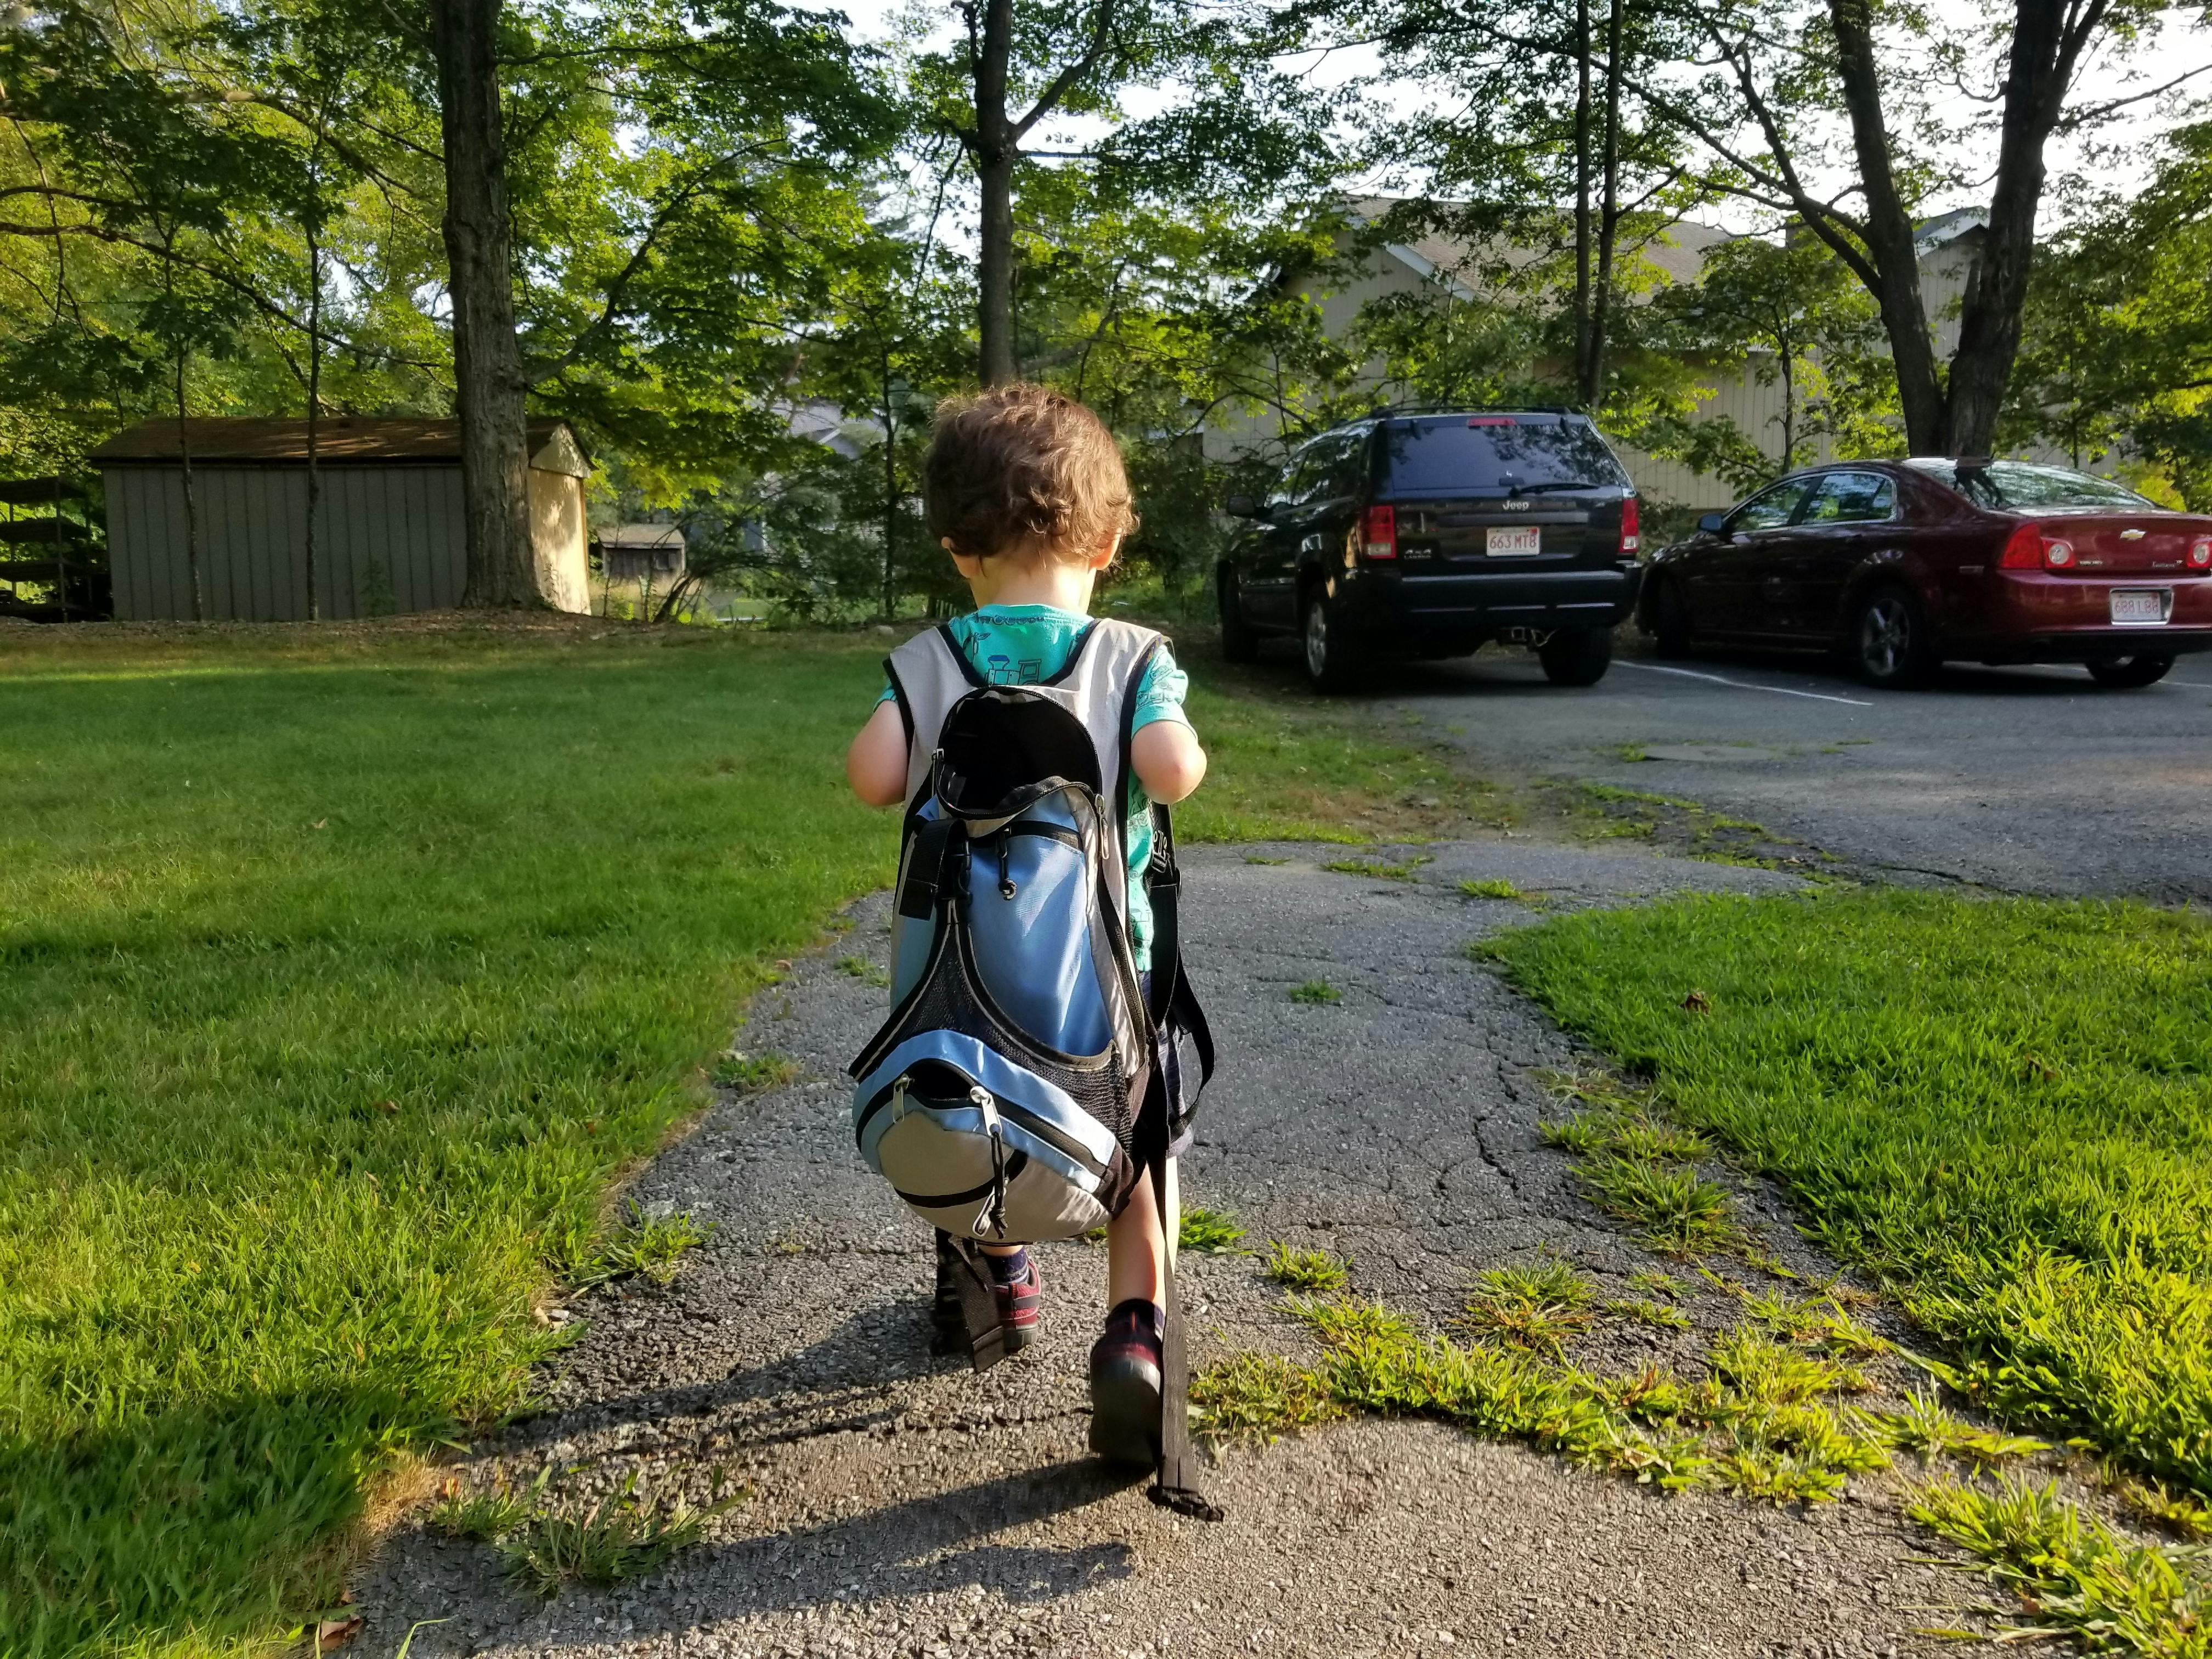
(1697,1003)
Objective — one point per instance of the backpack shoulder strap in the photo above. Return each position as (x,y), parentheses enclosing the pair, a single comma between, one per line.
(928,674)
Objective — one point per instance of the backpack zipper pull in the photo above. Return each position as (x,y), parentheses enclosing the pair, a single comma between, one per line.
(1005,874)
(993,1218)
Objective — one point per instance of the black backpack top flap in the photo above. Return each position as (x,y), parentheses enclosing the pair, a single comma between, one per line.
(1003,747)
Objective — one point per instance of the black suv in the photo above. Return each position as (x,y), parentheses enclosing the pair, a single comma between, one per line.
(1431,534)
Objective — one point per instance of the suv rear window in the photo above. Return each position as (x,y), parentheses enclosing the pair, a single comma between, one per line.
(2017,483)
(1442,454)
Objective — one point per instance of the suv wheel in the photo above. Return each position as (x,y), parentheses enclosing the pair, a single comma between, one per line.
(1331,662)
(1239,642)
(2126,673)
(1889,641)
(1670,620)
(1577,656)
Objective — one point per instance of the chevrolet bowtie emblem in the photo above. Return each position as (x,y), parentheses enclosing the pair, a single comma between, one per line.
(2132,535)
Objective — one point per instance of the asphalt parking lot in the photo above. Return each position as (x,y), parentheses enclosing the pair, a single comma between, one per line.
(2033,780)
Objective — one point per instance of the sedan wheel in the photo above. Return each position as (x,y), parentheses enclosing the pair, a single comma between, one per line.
(1889,640)
(1330,662)
(2126,673)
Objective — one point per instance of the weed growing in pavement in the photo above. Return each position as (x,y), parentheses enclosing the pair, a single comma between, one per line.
(487,1514)
(615,1539)
(1654,1284)
(1305,1270)
(1318,991)
(1539,1308)
(1813,1321)
(1553,1281)
(2183,1513)
(1677,1210)
(1259,858)
(1409,871)
(1498,887)
(749,1075)
(547,1545)
(1259,1397)
(648,1246)
(1922,1427)
(861,968)
(1755,1367)
(2072,1574)
(1643,1312)
(1208,1231)
(1778,1477)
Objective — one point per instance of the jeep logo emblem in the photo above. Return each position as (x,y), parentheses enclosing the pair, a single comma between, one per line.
(1516,503)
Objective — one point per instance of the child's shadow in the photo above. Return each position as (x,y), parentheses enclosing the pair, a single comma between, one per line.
(927,1545)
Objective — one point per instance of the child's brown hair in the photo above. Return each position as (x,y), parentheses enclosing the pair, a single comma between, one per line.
(1021,469)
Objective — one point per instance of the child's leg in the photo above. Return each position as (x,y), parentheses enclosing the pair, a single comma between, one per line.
(1138,1253)
(1125,1363)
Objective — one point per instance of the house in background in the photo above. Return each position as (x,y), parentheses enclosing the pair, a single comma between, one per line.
(390,531)
(1946,246)
(640,552)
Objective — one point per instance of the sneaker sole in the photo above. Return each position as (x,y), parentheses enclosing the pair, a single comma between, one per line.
(1125,1413)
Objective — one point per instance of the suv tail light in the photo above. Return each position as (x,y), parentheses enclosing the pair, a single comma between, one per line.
(1630,523)
(2200,553)
(1378,532)
(2027,549)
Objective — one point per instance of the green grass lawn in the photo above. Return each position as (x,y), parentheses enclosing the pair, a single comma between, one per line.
(339,975)
(2003,1108)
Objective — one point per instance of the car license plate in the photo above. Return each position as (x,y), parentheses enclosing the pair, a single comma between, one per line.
(1514,541)
(2132,607)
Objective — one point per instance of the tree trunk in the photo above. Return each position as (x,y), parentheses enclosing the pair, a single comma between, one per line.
(1582,199)
(192,501)
(1608,220)
(488,374)
(890,495)
(2044,55)
(314,407)
(1889,233)
(996,153)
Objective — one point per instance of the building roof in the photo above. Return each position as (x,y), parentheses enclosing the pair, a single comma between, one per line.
(1678,249)
(340,440)
(640,535)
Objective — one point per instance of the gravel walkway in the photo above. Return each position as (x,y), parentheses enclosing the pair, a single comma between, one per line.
(900,1505)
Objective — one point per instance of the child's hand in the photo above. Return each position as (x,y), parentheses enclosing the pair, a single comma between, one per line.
(1168,760)
(875,763)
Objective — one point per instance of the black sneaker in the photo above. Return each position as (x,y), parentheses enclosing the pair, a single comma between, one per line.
(1125,1386)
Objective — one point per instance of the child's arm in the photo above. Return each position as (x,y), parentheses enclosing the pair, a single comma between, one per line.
(875,763)
(1168,760)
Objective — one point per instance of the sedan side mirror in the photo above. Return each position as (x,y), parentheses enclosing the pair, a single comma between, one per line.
(1710,523)
(1243,507)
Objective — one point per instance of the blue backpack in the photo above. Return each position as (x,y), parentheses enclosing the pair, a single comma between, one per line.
(1002,1097)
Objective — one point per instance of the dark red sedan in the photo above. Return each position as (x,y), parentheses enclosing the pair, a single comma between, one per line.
(1897,566)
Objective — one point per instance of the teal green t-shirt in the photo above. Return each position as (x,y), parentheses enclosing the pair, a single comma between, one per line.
(1022,644)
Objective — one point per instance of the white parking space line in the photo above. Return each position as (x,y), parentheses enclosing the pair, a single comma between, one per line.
(1741,685)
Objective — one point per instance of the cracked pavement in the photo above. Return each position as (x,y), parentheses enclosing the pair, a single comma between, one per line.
(896,1504)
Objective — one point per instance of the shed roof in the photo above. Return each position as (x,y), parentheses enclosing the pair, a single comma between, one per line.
(341,440)
(640,535)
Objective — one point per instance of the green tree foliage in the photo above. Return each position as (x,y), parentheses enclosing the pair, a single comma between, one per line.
(2118,354)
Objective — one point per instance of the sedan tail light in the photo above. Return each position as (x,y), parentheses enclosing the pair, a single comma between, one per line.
(2200,553)
(1378,532)
(2027,549)
(1630,523)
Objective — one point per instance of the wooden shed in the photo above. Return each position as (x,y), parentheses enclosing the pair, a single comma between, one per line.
(390,534)
(636,552)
